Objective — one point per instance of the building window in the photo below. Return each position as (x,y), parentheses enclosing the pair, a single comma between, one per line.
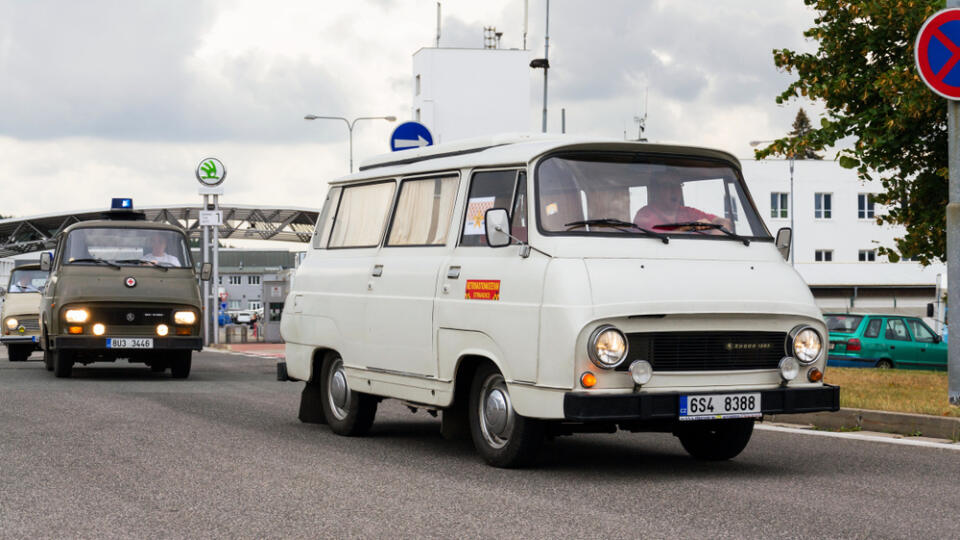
(779,204)
(865,206)
(416,85)
(868,255)
(823,255)
(255,306)
(233,304)
(253,280)
(234,280)
(823,205)
(219,280)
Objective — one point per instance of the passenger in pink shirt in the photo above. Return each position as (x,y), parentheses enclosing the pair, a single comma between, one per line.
(665,205)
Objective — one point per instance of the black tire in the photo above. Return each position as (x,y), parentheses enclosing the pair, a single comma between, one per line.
(158,366)
(180,363)
(718,440)
(62,363)
(348,412)
(19,353)
(885,364)
(48,358)
(501,436)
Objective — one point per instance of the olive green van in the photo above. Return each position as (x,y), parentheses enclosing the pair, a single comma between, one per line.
(121,288)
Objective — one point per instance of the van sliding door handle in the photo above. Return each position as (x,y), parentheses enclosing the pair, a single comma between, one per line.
(377,270)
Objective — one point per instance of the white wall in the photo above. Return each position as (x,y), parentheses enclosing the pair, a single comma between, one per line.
(467,93)
(844,232)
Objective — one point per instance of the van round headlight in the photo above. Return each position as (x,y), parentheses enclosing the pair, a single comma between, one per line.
(76,315)
(12,323)
(607,347)
(184,317)
(805,344)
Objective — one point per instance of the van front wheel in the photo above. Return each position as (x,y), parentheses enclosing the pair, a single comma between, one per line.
(501,436)
(348,412)
(718,440)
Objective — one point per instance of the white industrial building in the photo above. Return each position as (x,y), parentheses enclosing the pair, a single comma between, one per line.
(465,93)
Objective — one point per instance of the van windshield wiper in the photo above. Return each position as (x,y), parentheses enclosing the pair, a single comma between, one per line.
(612,222)
(699,226)
(94,260)
(141,262)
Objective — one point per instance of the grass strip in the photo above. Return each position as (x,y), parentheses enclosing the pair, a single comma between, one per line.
(896,390)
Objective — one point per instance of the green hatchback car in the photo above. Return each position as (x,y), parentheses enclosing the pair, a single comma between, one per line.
(883,341)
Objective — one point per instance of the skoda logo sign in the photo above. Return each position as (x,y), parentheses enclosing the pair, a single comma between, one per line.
(748,346)
(130,282)
(131,317)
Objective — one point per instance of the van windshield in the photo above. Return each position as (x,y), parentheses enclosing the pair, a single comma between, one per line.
(27,281)
(619,193)
(118,246)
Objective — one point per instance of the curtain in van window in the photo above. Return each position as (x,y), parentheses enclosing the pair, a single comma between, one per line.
(423,212)
(362,214)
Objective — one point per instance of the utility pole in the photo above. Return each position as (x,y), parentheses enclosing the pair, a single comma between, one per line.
(953,239)
(546,66)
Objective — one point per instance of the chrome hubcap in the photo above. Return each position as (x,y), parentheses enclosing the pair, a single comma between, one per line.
(496,411)
(338,393)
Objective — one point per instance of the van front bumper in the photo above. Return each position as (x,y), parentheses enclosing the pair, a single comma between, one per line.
(159,343)
(585,407)
(20,340)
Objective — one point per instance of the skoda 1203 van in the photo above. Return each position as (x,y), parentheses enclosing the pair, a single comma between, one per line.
(530,287)
(121,287)
(21,312)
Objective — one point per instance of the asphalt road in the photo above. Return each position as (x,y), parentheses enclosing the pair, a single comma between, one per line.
(118,451)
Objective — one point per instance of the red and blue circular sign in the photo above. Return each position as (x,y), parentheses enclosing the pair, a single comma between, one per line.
(937,53)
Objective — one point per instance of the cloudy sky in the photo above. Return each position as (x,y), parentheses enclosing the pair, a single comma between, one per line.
(123,98)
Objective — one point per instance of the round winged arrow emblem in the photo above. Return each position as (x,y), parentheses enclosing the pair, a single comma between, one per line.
(130,282)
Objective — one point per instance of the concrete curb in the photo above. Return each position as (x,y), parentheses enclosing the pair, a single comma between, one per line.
(942,427)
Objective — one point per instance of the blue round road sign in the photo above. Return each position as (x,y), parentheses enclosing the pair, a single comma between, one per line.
(937,53)
(410,135)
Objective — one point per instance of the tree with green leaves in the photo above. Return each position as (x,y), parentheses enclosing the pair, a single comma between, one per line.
(801,127)
(863,72)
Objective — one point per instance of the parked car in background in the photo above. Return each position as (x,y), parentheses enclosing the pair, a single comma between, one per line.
(883,341)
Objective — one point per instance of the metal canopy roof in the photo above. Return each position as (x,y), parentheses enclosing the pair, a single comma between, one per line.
(287,224)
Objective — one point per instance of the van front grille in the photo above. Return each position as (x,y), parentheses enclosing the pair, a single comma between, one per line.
(706,351)
(29,324)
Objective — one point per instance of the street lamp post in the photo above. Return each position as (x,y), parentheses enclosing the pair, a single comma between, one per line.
(790,158)
(350,125)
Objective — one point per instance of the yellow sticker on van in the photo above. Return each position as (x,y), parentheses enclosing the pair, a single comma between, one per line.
(483,289)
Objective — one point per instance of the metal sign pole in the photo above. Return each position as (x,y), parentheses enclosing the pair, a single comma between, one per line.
(215,247)
(204,246)
(953,245)
(953,239)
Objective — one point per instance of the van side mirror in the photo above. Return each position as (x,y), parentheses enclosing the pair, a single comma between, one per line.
(3,292)
(930,310)
(497,224)
(46,261)
(784,238)
(206,271)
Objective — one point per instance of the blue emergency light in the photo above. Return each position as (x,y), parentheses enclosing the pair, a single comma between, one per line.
(121,204)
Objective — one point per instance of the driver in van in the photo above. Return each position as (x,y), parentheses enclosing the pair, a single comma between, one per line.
(158,251)
(23,285)
(665,205)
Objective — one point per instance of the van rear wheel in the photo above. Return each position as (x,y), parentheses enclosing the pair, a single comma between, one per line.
(501,436)
(348,412)
(719,440)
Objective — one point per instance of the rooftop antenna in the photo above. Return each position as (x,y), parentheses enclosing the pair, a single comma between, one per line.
(525,13)
(438,25)
(642,120)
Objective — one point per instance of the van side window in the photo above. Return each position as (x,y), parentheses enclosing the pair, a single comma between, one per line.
(489,189)
(325,220)
(873,328)
(361,215)
(518,225)
(424,209)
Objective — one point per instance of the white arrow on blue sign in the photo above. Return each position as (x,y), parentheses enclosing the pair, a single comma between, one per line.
(410,135)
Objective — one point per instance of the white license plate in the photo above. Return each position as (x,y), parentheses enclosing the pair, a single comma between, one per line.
(129,343)
(713,406)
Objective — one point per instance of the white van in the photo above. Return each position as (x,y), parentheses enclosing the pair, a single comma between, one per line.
(529,287)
